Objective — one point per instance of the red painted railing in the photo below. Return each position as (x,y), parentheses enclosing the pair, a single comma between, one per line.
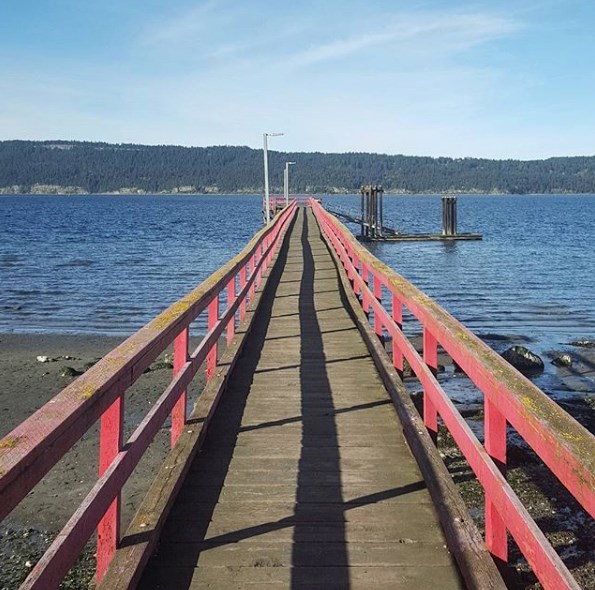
(565,446)
(34,447)
(278,201)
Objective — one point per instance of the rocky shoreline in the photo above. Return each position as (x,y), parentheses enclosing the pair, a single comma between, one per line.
(28,380)
(571,383)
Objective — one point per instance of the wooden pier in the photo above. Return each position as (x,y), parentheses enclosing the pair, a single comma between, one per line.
(305,479)
(304,463)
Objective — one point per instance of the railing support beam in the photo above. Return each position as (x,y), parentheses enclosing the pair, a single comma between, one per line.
(430,352)
(495,444)
(398,360)
(213,317)
(178,415)
(111,432)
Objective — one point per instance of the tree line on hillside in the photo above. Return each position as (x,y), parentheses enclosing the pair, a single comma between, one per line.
(101,167)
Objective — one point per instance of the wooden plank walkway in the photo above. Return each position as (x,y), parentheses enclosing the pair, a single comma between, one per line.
(304,480)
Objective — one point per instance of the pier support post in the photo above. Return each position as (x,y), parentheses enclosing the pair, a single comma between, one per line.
(178,415)
(449,216)
(398,359)
(363,213)
(213,318)
(372,211)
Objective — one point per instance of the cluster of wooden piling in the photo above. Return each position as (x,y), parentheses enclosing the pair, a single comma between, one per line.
(371,220)
(372,211)
(449,216)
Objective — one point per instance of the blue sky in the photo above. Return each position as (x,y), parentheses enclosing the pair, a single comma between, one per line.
(496,79)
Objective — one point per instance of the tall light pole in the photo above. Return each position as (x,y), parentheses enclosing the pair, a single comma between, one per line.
(286,182)
(266,174)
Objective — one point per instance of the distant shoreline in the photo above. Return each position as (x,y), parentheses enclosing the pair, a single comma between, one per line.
(58,166)
(259,194)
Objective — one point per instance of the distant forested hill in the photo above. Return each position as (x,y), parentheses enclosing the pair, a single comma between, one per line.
(66,166)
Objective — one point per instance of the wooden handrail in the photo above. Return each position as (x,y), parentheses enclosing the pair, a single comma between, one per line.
(563,444)
(37,444)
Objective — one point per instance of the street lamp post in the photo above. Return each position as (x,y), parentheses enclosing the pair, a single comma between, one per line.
(266,174)
(286,182)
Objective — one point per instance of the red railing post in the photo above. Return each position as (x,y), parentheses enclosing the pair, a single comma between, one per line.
(270,240)
(252,267)
(398,319)
(265,245)
(495,444)
(257,260)
(178,414)
(213,318)
(242,285)
(110,443)
(378,294)
(356,288)
(365,298)
(231,295)
(350,259)
(430,352)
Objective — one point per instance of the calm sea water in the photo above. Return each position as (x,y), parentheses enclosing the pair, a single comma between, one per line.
(108,264)
(533,274)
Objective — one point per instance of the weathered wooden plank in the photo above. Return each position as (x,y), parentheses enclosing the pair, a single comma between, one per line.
(351,493)
(283,554)
(313,578)
(293,451)
(397,530)
(317,463)
(254,438)
(271,509)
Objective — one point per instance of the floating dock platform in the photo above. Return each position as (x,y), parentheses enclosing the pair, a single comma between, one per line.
(422,238)
(373,228)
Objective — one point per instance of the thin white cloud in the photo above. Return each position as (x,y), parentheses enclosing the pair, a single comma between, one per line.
(182,26)
(454,32)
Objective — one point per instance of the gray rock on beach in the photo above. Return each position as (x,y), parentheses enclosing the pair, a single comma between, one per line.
(562,360)
(45,359)
(583,343)
(523,359)
(69,372)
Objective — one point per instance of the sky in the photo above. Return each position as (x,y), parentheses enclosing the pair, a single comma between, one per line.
(498,79)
